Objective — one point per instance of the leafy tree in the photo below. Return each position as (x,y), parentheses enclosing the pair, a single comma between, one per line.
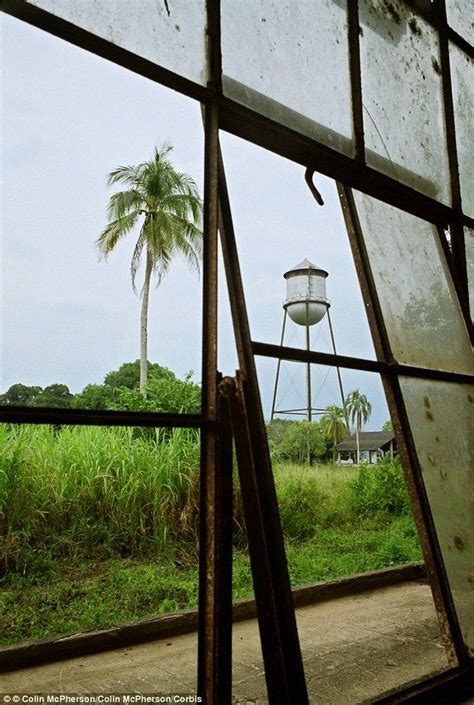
(388,426)
(164,393)
(333,426)
(120,390)
(359,409)
(167,206)
(303,441)
(20,395)
(128,375)
(57,395)
(94,396)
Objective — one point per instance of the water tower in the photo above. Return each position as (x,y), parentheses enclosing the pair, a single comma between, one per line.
(306,304)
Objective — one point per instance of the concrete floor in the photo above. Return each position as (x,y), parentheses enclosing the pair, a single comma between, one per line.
(354,648)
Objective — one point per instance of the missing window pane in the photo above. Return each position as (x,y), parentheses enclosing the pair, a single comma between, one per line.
(77,329)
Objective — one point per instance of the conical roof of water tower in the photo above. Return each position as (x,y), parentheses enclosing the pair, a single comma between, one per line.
(303,267)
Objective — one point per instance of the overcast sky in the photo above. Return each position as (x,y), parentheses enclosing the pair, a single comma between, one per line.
(69,118)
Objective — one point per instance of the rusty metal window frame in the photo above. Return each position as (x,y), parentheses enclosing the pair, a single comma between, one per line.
(222,113)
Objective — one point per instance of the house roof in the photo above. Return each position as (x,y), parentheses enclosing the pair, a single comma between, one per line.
(368,440)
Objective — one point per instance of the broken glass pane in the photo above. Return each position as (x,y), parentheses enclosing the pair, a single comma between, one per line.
(167,32)
(415,289)
(462,72)
(441,420)
(401,91)
(290,62)
(461,17)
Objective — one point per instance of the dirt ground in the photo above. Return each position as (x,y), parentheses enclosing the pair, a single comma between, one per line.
(354,648)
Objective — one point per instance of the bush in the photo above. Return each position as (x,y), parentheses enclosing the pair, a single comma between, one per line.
(295,440)
(302,507)
(380,488)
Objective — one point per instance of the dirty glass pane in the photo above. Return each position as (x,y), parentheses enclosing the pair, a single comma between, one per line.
(401,90)
(469,239)
(417,295)
(462,72)
(441,420)
(461,17)
(289,61)
(171,34)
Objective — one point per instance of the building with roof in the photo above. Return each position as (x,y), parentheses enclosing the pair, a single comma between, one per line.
(372,446)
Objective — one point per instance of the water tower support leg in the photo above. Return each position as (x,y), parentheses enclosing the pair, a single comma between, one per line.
(309,401)
(278,366)
(339,378)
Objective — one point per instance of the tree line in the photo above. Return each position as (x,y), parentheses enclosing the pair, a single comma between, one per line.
(120,390)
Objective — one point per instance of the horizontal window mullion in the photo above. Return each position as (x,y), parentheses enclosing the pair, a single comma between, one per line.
(354,363)
(89,417)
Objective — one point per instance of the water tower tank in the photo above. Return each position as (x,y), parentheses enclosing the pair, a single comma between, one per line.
(306,301)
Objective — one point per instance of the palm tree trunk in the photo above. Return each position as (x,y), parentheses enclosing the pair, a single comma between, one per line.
(357,438)
(144,324)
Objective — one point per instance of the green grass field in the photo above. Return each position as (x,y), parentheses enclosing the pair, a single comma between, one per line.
(99,526)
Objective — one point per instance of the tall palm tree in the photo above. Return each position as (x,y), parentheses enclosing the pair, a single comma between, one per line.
(359,409)
(333,425)
(165,204)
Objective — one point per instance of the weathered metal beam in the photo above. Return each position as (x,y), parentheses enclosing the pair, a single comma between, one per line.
(279,636)
(356,363)
(284,672)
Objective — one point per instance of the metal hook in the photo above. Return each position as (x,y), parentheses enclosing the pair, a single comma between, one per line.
(308,177)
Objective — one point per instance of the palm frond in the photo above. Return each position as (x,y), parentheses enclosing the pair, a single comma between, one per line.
(114,231)
(130,175)
(121,202)
(172,210)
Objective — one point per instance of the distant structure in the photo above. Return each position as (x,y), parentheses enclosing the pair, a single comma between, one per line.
(372,446)
(306,304)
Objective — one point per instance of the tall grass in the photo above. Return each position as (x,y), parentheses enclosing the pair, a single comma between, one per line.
(100,525)
(85,490)
(88,492)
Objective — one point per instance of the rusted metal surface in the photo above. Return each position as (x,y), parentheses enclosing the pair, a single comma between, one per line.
(215,548)
(309,178)
(457,230)
(208,567)
(279,636)
(357,363)
(421,509)
(356,79)
(284,672)
(216,664)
